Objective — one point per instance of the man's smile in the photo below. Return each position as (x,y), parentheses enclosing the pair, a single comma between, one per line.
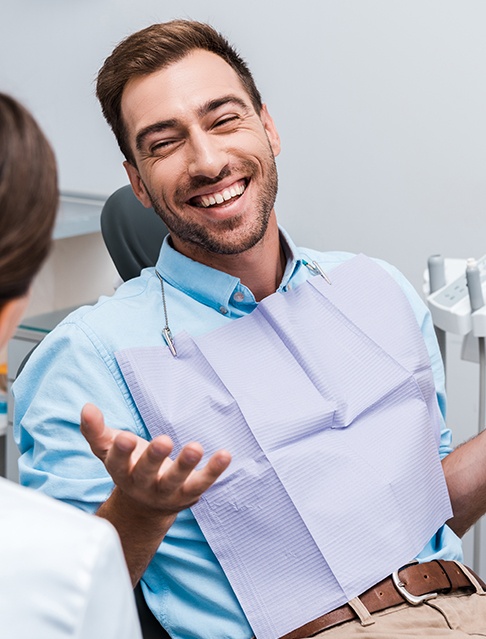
(220,196)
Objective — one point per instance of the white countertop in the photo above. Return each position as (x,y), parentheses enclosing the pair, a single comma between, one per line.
(78,214)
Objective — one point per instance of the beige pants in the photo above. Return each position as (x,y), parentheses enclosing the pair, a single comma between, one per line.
(453,616)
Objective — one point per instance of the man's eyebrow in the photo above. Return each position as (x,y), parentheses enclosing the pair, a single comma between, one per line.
(212,105)
(156,127)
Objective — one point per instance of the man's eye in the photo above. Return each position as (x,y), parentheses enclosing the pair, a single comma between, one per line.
(231,119)
(158,146)
(162,147)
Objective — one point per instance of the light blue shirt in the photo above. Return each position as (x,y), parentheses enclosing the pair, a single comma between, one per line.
(184,584)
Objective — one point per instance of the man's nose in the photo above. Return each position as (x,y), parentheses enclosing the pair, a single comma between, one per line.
(207,157)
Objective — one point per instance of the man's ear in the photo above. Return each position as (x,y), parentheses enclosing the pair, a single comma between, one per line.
(11,313)
(137,184)
(271,130)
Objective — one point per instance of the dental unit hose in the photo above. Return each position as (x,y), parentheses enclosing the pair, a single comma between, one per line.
(476,299)
(437,280)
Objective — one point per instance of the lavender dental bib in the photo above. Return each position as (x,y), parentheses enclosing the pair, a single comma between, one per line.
(325,398)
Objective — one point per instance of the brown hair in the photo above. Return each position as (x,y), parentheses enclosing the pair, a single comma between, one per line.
(28,198)
(152,49)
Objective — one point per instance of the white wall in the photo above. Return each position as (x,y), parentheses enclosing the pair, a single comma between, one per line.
(381,106)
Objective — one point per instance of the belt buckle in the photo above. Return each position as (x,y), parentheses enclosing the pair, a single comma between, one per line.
(414,600)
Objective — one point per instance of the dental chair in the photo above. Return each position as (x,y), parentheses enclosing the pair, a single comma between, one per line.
(133,236)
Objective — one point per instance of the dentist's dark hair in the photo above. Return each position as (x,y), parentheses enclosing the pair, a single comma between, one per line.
(155,48)
(28,198)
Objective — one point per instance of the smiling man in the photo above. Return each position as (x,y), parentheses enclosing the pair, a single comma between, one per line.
(205,160)
(272,457)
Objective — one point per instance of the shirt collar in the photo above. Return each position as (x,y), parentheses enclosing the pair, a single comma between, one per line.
(210,286)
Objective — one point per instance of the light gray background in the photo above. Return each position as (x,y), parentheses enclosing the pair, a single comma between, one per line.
(381,106)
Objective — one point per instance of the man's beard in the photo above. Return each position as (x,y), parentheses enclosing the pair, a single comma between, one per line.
(218,238)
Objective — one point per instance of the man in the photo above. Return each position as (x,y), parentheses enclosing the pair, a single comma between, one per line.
(330,416)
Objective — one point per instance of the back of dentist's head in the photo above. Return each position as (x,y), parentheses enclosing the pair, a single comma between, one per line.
(28,199)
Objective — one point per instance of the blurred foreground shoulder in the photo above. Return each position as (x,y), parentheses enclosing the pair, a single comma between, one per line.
(63,566)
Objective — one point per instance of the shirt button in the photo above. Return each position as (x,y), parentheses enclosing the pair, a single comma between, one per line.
(223,310)
(238,297)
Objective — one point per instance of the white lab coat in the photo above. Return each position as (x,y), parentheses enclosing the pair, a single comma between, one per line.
(62,572)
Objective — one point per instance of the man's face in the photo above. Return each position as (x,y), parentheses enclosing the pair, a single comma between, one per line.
(205,158)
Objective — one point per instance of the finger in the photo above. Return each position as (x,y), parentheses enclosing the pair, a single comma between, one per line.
(184,464)
(193,484)
(203,479)
(200,481)
(119,460)
(218,463)
(148,467)
(93,428)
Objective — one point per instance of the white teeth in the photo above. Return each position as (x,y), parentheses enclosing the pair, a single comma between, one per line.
(207,200)
(219,198)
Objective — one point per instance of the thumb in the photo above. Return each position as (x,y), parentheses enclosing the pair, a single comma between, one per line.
(98,436)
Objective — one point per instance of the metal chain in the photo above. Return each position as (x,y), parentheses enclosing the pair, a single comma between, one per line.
(166,333)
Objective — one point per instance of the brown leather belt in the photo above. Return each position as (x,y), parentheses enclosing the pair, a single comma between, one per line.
(410,585)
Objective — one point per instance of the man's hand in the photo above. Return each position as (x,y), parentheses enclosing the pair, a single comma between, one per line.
(150,488)
(143,469)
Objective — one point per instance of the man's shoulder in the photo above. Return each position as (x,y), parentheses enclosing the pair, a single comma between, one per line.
(120,320)
(328,260)
(129,297)
(93,333)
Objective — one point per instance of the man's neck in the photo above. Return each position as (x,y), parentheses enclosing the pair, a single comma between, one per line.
(260,268)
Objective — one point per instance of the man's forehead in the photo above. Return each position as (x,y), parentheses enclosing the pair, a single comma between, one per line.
(197,77)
